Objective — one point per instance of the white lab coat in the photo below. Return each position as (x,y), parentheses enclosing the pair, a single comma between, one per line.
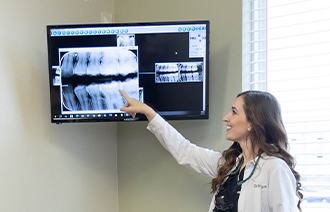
(272,188)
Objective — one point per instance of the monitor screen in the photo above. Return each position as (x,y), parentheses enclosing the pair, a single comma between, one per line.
(163,64)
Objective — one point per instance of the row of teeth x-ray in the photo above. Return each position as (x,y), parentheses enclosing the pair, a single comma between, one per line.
(179,72)
(91,78)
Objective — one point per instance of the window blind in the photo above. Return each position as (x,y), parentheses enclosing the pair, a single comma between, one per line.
(254,45)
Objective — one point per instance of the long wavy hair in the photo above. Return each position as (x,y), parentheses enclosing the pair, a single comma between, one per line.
(267,132)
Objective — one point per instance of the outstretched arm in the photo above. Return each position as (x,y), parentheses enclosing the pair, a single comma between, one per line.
(134,106)
(202,160)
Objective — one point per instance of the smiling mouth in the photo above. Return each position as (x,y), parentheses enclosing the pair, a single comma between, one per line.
(228,127)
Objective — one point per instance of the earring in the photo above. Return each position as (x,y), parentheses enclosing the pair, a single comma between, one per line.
(249,129)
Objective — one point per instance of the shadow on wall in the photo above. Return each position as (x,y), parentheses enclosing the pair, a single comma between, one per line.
(29,76)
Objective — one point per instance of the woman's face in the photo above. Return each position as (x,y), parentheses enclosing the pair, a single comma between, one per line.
(237,125)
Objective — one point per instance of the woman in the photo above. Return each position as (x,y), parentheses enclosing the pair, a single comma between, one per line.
(256,173)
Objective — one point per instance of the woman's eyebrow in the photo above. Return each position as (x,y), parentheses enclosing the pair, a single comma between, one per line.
(234,108)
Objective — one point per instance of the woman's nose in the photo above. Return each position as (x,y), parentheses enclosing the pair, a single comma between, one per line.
(225,118)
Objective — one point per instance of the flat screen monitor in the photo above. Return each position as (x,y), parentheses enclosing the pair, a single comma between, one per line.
(163,64)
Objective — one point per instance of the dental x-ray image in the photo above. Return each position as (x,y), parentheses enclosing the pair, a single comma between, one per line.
(179,72)
(191,72)
(57,75)
(141,95)
(91,78)
(126,40)
(166,72)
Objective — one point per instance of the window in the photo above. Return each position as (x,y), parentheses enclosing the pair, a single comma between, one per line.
(286,51)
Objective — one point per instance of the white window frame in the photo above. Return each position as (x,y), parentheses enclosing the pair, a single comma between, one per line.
(250,81)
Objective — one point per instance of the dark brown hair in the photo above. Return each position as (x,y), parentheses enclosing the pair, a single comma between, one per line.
(267,132)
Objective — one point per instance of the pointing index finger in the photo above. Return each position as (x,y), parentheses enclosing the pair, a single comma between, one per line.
(123,94)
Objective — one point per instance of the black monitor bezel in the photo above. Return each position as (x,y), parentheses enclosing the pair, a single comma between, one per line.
(122,116)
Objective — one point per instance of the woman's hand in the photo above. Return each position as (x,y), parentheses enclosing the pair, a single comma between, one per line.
(134,106)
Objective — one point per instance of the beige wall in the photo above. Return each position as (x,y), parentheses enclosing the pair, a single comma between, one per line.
(149,178)
(45,167)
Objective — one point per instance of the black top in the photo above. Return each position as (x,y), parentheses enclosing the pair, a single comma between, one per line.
(227,197)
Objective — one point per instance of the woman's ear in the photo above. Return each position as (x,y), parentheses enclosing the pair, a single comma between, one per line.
(249,128)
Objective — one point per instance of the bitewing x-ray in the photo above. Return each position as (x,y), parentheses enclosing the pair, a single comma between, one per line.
(91,78)
(178,72)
